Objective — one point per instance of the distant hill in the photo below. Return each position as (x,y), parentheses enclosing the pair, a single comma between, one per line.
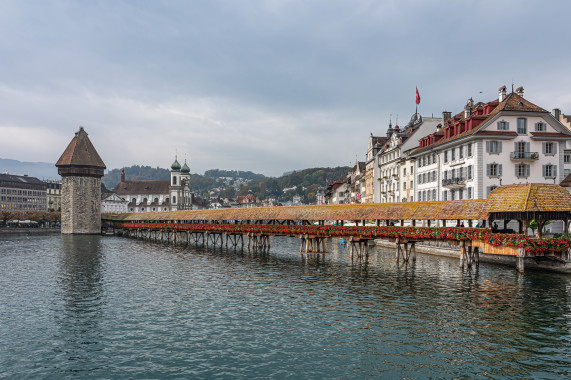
(303,182)
(40,170)
(217,173)
(133,173)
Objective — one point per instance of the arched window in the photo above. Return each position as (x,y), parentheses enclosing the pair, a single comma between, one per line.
(167,200)
(173,199)
(144,200)
(174,180)
(156,200)
(134,200)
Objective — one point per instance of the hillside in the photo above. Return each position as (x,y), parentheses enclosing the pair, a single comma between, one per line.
(231,183)
(40,170)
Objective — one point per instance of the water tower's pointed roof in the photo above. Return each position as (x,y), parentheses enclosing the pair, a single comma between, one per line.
(80,152)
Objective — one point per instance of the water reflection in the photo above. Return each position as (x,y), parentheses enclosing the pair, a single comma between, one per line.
(79,310)
(122,308)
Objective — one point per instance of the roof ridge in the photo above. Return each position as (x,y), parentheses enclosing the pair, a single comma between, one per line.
(528,194)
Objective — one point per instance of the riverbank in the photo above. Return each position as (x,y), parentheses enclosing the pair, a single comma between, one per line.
(29,231)
(544,264)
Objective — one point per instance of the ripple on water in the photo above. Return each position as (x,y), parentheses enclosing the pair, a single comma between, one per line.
(114,308)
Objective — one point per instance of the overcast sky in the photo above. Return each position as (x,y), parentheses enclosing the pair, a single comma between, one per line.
(267,86)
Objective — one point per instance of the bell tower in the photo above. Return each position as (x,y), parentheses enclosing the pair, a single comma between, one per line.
(81,170)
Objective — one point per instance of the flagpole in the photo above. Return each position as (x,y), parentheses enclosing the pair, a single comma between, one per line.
(416,102)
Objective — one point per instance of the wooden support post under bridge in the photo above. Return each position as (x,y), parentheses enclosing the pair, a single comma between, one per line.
(468,254)
(359,246)
(405,249)
(311,244)
(260,241)
(235,239)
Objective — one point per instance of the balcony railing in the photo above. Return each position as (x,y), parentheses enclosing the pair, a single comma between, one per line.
(524,156)
(454,182)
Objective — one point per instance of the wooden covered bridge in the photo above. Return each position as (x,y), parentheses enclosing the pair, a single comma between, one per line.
(403,223)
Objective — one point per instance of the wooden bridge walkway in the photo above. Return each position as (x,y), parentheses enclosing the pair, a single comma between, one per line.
(313,224)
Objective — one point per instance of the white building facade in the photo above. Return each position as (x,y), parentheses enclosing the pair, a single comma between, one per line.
(507,141)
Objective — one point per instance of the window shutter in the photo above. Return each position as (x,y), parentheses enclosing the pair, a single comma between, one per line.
(516,170)
(544,170)
(543,148)
(488,146)
(527,170)
(488,169)
(516,147)
(499,169)
(499,147)
(527,147)
(554,171)
(554,148)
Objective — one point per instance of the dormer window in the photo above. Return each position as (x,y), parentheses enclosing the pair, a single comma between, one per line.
(540,127)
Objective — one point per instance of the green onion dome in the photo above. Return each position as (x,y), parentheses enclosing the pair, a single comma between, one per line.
(185,168)
(175,165)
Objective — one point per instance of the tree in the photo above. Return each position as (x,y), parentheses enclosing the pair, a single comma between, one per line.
(6,216)
(228,192)
(534,225)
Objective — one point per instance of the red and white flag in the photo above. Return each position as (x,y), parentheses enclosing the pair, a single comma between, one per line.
(417,96)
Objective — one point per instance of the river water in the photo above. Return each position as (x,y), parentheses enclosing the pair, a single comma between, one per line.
(111,307)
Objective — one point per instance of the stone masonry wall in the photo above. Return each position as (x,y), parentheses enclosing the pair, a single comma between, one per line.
(80,205)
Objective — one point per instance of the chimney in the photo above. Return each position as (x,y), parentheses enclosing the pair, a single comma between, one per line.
(468,108)
(502,94)
(519,91)
(446,116)
(122,175)
(556,113)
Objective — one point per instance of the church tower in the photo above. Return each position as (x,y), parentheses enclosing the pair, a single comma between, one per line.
(81,170)
(186,195)
(175,186)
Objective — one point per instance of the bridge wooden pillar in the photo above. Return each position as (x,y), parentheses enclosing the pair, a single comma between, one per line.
(520,266)
(462,253)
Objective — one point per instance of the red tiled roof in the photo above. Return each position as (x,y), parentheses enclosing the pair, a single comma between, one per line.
(566,181)
(143,187)
(513,102)
(549,134)
(80,152)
